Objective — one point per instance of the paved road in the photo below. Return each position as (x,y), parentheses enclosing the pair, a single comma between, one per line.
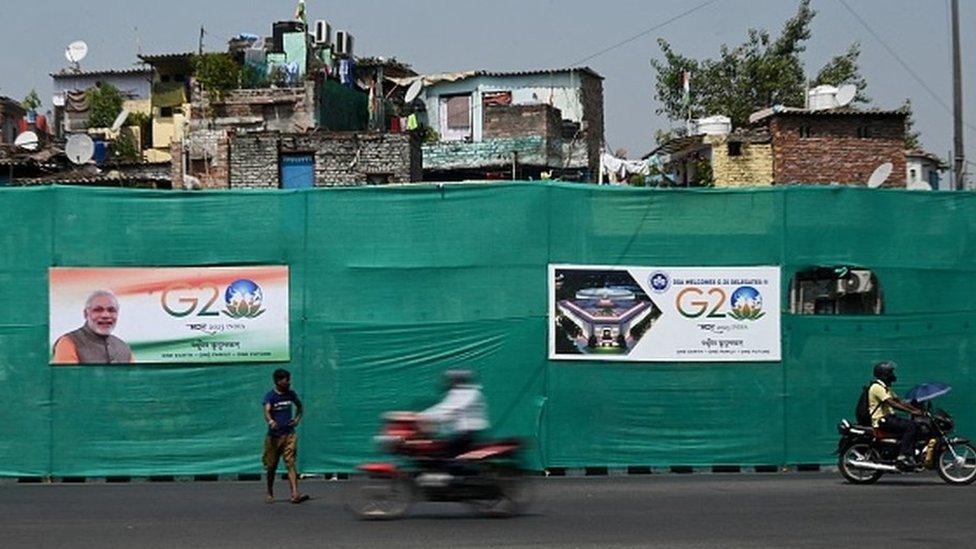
(735,510)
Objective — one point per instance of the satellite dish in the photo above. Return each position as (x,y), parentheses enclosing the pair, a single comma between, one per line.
(845,95)
(27,141)
(880,175)
(76,51)
(414,90)
(119,120)
(80,148)
(57,100)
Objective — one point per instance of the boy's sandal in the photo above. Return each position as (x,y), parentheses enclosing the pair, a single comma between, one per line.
(269,499)
(300,498)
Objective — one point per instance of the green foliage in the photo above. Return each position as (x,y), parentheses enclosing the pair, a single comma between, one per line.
(124,149)
(217,73)
(913,138)
(843,69)
(32,101)
(705,177)
(762,72)
(106,104)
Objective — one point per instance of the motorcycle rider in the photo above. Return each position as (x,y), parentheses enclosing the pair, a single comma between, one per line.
(462,412)
(882,403)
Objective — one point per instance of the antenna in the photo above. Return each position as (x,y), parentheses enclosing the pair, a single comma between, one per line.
(27,141)
(80,148)
(75,52)
(119,120)
(880,175)
(845,95)
(414,90)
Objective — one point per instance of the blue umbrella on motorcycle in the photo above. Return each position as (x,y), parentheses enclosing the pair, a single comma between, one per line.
(927,391)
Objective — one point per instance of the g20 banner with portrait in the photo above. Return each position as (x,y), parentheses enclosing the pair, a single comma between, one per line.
(667,314)
(163,315)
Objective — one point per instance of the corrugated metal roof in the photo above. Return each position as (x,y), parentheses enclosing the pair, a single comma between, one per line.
(107,72)
(759,116)
(160,57)
(536,72)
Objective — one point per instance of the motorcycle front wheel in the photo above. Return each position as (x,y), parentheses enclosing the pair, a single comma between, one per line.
(858,451)
(380,498)
(957,463)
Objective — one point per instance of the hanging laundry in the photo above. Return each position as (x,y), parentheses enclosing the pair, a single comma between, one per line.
(347,73)
(394,125)
(413,122)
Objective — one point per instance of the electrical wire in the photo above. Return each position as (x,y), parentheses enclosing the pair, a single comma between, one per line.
(902,62)
(645,32)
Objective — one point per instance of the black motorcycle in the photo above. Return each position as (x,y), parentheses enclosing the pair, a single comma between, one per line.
(866,453)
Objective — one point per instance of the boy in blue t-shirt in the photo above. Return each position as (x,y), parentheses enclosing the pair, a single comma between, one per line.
(281,441)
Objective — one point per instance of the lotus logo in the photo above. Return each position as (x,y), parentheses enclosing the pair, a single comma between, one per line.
(747,304)
(243,299)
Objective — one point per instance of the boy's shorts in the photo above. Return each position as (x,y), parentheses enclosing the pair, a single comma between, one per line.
(285,446)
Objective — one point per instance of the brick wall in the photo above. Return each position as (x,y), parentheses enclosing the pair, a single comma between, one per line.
(264,109)
(254,161)
(593,135)
(510,121)
(752,168)
(341,158)
(834,152)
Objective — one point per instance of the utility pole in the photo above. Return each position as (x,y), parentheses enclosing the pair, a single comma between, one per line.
(200,47)
(960,151)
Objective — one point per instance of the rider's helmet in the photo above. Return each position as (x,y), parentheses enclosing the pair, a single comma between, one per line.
(453,378)
(885,371)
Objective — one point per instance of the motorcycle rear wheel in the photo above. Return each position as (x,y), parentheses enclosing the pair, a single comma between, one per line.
(961,470)
(380,498)
(858,451)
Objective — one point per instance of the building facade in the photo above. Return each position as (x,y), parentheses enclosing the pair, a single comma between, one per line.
(485,123)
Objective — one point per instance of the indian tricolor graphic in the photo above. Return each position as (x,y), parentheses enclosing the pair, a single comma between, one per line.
(170,315)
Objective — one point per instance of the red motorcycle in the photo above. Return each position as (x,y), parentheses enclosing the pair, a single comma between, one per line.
(486,476)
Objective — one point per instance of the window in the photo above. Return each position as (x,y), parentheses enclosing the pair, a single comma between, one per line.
(735,148)
(166,112)
(459,112)
(840,290)
(913,175)
(863,132)
(497,98)
(378,178)
(805,132)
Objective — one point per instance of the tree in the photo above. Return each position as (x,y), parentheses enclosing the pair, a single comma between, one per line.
(913,138)
(217,73)
(843,69)
(32,101)
(762,72)
(105,101)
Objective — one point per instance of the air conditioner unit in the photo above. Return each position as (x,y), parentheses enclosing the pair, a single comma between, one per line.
(323,33)
(344,44)
(857,281)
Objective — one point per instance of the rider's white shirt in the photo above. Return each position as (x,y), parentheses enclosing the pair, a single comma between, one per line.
(462,409)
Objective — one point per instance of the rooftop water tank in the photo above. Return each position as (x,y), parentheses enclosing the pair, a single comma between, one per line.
(822,98)
(713,125)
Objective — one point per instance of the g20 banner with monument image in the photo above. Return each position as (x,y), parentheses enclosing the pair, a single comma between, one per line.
(168,315)
(664,314)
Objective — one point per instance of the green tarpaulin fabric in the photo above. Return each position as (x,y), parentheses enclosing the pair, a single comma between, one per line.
(342,109)
(390,286)
(168,94)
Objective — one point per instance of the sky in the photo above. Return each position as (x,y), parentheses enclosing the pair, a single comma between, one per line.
(454,35)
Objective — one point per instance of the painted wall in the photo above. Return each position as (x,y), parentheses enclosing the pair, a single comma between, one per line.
(563,91)
(135,86)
